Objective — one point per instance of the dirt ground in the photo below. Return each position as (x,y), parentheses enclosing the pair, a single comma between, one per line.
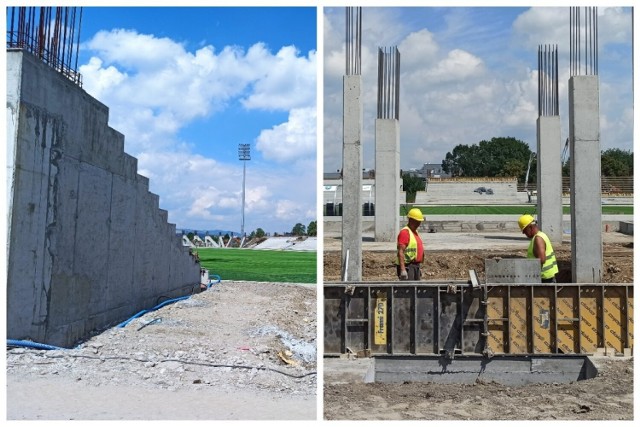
(239,350)
(455,265)
(608,396)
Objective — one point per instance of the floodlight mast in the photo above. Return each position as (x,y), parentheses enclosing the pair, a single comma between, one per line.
(244,154)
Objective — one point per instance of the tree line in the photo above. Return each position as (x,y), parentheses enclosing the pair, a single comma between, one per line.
(298,230)
(510,157)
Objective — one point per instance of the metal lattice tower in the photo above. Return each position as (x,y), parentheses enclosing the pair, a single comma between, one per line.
(50,33)
(354,41)
(548,80)
(244,154)
(389,83)
(583,31)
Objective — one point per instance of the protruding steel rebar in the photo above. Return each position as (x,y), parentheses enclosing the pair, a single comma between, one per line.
(389,83)
(589,30)
(548,80)
(49,35)
(354,41)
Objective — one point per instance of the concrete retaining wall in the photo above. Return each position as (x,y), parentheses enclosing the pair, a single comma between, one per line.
(88,246)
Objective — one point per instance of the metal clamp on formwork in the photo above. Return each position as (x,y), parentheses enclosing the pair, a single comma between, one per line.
(474,280)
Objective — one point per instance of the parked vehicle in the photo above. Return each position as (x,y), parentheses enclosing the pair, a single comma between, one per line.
(480,190)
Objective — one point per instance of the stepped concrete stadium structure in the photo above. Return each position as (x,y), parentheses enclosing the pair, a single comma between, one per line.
(457,191)
(88,245)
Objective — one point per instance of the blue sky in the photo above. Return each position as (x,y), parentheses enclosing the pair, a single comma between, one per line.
(470,73)
(186,85)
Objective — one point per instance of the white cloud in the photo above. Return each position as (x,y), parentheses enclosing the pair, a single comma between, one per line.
(458,89)
(540,26)
(155,88)
(292,211)
(170,85)
(457,65)
(289,82)
(205,193)
(99,79)
(291,140)
(420,47)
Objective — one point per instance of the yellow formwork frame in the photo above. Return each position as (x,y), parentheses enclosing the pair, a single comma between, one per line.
(559,319)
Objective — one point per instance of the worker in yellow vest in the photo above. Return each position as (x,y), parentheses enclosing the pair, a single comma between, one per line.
(539,247)
(410,249)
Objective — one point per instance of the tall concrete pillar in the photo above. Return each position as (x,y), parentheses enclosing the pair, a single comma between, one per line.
(352,178)
(586,198)
(388,180)
(549,178)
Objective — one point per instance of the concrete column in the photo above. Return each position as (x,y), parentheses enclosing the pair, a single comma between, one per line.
(388,182)
(352,179)
(586,208)
(550,178)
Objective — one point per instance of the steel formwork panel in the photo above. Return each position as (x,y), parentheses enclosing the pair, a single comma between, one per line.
(418,318)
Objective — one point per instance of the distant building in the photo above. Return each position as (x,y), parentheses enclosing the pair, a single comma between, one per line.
(427,171)
(433,170)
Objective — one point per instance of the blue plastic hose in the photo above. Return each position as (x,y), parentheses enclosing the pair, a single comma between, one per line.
(213,283)
(31,344)
(126,322)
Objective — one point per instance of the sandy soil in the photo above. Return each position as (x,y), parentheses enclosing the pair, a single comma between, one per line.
(608,396)
(239,350)
(455,264)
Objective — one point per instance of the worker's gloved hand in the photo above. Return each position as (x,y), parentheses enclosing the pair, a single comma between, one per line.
(404,275)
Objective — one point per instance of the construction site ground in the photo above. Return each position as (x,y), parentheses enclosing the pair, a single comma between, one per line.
(239,350)
(450,256)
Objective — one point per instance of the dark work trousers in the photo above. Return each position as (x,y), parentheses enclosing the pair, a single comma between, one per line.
(413,271)
(552,280)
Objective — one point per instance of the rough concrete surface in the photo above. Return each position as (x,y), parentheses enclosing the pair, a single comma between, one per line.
(609,396)
(239,350)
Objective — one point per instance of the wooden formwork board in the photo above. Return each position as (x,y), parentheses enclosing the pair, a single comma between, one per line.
(455,318)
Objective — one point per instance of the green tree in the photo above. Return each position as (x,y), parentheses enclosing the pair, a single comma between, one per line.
(411,185)
(501,156)
(259,233)
(190,236)
(298,230)
(514,167)
(616,162)
(312,228)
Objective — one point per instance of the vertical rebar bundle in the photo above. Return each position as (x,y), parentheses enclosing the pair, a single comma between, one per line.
(583,41)
(50,33)
(354,40)
(548,80)
(389,83)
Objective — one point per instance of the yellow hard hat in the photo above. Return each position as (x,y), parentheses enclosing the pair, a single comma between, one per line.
(416,214)
(525,220)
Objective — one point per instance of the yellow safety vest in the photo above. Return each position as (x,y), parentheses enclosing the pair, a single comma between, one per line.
(550,266)
(411,251)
